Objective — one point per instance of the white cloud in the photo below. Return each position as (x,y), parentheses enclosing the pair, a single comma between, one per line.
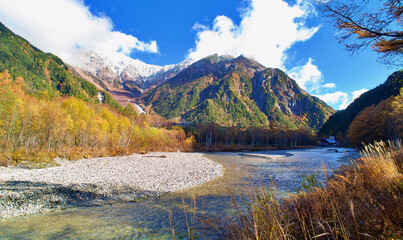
(358,93)
(344,104)
(307,76)
(267,30)
(341,99)
(333,97)
(66,27)
(336,98)
(329,85)
(310,78)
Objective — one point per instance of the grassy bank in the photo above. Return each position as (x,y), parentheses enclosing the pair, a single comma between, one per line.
(361,201)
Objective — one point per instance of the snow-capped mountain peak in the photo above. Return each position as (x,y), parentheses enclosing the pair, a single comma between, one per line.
(131,74)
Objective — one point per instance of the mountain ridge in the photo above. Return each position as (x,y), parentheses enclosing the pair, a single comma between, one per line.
(341,120)
(236,91)
(127,73)
(220,89)
(45,75)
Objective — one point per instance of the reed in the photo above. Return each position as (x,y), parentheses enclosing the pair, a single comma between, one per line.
(191,219)
(361,201)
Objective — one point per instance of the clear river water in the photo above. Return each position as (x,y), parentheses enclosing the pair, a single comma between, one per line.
(149,218)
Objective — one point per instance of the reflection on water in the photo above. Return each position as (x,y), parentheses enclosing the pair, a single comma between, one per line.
(149,219)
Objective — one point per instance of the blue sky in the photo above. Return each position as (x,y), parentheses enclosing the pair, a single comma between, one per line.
(170,23)
(289,35)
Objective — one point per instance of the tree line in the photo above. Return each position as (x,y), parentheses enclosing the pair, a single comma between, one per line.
(215,137)
(68,127)
(33,127)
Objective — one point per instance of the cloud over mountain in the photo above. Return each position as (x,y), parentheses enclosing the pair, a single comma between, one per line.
(267,30)
(358,93)
(338,97)
(67,27)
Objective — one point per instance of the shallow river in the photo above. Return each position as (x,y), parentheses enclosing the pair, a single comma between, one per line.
(149,219)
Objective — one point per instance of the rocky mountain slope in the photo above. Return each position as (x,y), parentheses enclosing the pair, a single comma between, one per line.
(341,120)
(129,74)
(236,91)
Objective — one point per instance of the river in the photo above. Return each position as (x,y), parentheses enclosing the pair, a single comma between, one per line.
(149,219)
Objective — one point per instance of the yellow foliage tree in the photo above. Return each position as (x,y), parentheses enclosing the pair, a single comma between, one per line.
(72,128)
(381,122)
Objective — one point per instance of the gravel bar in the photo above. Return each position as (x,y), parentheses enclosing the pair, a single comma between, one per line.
(100,181)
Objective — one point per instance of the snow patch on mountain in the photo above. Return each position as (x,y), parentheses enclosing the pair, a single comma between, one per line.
(127,69)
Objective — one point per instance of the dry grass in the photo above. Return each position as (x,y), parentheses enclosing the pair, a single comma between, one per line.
(190,219)
(361,201)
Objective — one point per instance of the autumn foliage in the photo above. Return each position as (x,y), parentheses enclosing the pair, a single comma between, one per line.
(368,23)
(212,136)
(383,121)
(361,201)
(32,128)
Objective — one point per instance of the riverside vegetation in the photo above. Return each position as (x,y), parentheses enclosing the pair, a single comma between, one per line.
(36,130)
(48,111)
(361,201)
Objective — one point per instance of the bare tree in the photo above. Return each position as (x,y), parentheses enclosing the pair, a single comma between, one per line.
(366,23)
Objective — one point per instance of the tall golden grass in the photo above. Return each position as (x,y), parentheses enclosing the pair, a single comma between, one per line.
(361,201)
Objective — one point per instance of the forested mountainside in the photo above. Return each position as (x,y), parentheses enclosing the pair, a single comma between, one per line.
(383,121)
(341,120)
(223,90)
(47,111)
(236,92)
(44,74)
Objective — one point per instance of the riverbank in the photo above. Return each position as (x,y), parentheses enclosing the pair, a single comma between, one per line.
(149,218)
(361,201)
(250,148)
(100,181)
